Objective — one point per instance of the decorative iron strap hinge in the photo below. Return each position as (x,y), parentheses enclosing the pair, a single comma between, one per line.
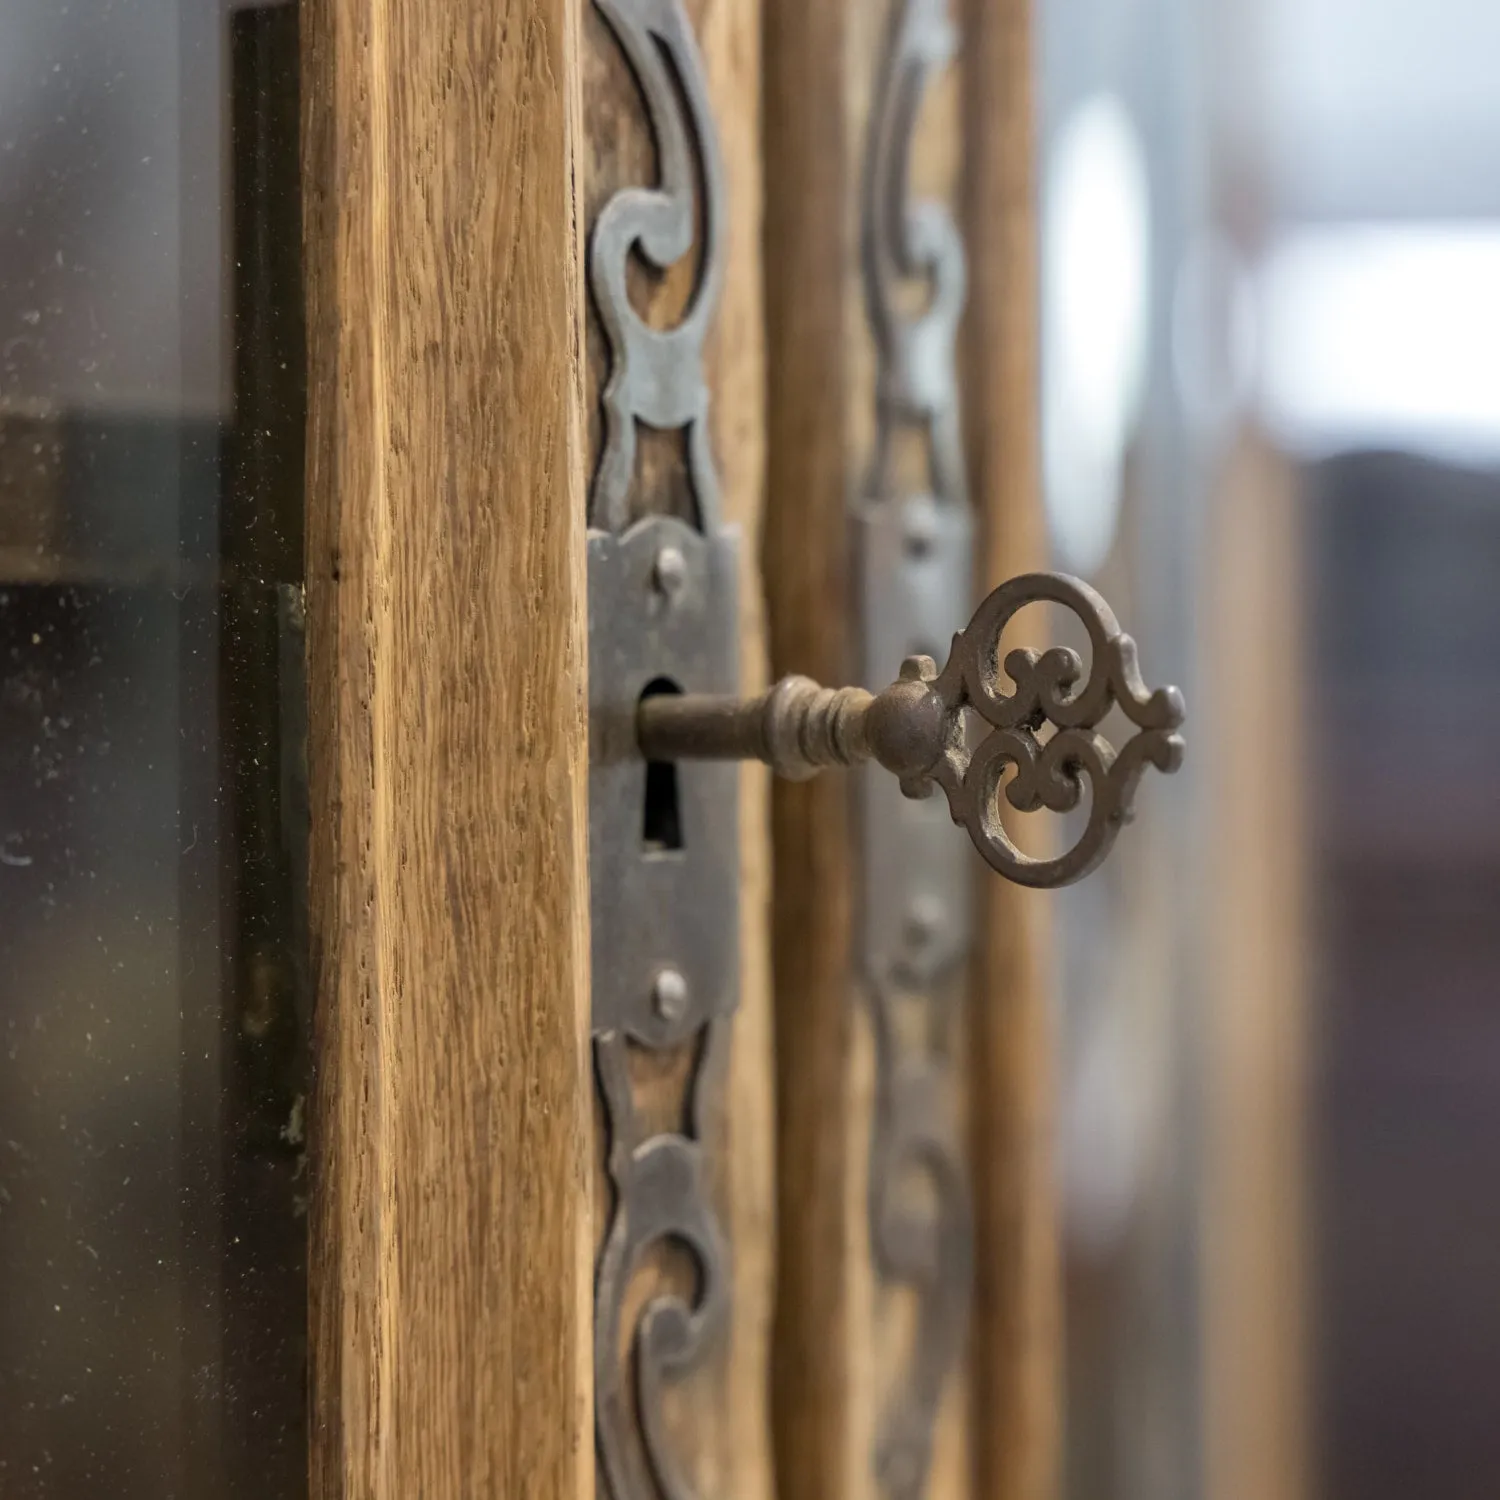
(664,844)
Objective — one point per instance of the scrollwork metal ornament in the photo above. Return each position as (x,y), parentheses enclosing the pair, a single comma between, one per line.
(660,1196)
(657,373)
(1048,773)
(663,606)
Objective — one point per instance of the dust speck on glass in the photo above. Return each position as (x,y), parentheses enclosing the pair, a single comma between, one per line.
(153,984)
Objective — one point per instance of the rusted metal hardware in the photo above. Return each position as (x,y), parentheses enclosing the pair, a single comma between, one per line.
(656,375)
(664,851)
(918,728)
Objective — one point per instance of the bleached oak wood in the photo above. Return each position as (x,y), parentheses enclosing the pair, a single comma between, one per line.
(451,1227)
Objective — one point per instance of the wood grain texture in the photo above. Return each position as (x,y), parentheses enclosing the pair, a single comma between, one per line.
(730,32)
(814,328)
(451,1226)
(719,1416)
(1017,1315)
(838,1339)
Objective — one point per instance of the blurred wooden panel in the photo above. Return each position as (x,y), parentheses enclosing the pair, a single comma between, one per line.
(840,1339)
(818,365)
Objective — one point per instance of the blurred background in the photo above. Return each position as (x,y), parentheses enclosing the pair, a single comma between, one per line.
(1271,353)
(153,815)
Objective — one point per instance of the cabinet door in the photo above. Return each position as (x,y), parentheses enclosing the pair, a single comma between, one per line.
(570,293)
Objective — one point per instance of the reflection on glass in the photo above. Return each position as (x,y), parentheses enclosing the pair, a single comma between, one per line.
(153,988)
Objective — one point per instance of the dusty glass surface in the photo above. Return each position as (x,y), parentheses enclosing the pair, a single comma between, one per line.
(152,792)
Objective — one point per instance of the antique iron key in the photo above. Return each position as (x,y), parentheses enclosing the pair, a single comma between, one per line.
(916,728)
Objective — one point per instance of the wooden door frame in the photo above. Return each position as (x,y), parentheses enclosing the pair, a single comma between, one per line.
(451,1234)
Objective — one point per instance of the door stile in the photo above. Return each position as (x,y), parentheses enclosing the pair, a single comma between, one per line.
(451,1227)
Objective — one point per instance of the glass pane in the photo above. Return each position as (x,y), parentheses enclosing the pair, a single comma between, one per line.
(153,986)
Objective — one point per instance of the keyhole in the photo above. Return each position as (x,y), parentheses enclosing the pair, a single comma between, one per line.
(661,829)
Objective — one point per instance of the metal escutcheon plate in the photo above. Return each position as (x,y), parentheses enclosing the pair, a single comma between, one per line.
(663,606)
